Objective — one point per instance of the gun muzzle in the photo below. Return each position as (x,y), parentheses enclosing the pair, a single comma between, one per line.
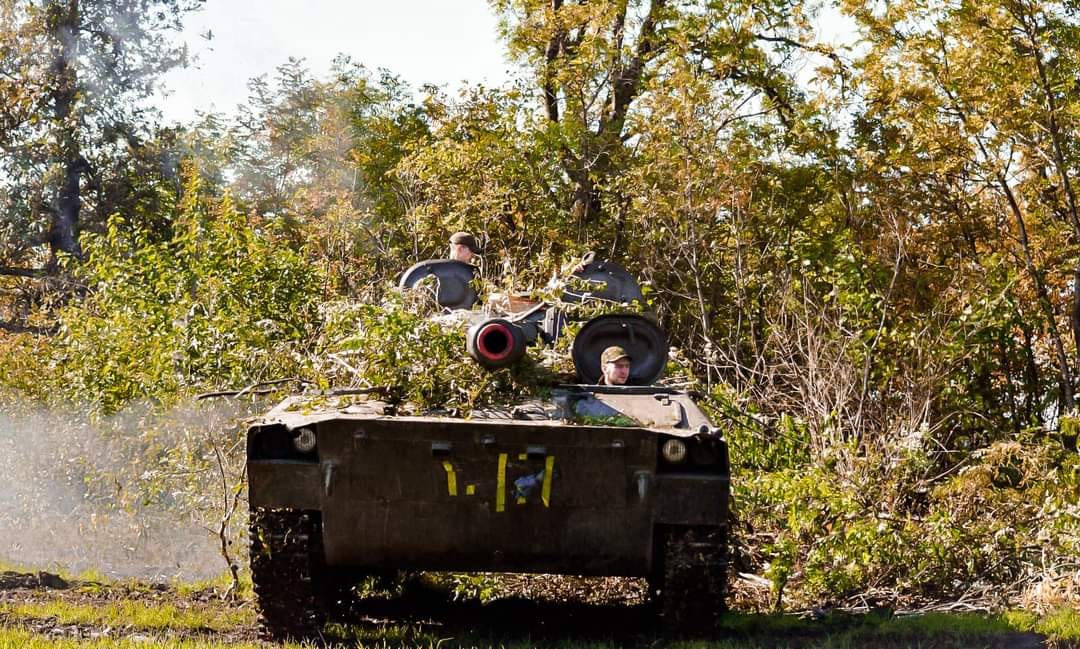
(495,343)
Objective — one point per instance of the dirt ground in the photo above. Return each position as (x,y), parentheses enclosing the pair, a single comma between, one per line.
(45,588)
(533,609)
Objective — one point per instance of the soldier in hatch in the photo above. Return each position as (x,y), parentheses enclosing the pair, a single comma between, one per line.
(463,247)
(614,366)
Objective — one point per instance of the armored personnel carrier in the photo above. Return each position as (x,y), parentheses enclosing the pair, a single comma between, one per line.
(587,480)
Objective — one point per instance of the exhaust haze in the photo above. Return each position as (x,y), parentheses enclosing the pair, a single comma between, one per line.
(139,494)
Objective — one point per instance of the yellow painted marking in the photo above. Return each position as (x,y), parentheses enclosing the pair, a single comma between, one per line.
(545,492)
(451,478)
(521,500)
(470,490)
(500,488)
(523,456)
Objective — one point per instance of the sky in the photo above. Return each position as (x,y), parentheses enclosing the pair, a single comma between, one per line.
(444,42)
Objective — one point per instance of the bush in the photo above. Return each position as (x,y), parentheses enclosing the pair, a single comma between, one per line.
(216,302)
(1007,519)
(420,360)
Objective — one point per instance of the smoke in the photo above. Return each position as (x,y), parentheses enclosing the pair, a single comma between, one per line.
(139,494)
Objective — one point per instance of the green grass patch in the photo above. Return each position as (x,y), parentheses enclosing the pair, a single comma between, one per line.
(158,620)
(89,575)
(219,584)
(740,631)
(930,630)
(941,624)
(8,566)
(19,639)
(134,615)
(1063,624)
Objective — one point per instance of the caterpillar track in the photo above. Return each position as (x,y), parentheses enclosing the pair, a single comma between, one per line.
(286,567)
(691,578)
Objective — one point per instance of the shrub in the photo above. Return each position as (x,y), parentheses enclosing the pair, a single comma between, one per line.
(1005,520)
(218,301)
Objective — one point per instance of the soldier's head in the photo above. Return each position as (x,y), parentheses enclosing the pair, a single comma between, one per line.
(615,365)
(463,246)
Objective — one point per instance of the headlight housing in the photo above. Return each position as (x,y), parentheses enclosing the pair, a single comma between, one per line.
(674,451)
(278,442)
(304,440)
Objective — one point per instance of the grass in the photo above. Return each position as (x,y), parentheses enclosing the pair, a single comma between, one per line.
(1063,623)
(925,630)
(219,584)
(133,615)
(90,576)
(172,623)
(18,639)
(753,631)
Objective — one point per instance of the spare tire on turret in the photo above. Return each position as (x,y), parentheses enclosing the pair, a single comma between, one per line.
(638,335)
(453,289)
(603,280)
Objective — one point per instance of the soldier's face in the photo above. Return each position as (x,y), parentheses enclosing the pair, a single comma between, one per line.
(617,373)
(460,252)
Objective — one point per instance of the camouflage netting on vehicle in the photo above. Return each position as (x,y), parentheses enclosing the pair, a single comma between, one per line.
(416,355)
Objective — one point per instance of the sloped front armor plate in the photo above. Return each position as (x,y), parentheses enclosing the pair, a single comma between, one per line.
(499,496)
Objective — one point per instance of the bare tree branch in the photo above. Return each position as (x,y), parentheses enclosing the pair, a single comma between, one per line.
(16,328)
(23,272)
(627,82)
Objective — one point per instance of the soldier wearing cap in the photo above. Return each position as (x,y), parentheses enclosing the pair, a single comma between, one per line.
(614,366)
(463,246)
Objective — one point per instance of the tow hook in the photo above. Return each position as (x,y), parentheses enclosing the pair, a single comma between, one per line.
(328,475)
(642,485)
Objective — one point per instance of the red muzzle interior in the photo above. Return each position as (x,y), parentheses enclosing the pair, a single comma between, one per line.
(495,341)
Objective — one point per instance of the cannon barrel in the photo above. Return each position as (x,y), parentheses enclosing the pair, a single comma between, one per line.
(495,343)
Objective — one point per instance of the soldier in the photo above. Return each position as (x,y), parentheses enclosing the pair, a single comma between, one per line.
(463,247)
(614,366)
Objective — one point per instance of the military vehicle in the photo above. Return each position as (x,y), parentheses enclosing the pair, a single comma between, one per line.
(587,480)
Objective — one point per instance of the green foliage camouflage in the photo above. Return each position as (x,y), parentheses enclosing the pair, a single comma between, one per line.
(417,359)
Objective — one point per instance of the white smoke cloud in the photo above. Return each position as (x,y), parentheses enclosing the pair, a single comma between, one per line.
(133,495)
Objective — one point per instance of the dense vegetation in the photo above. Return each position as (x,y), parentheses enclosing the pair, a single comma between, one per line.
(869,257)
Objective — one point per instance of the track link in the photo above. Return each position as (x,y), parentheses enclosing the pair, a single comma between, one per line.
(286,563)
(692,578)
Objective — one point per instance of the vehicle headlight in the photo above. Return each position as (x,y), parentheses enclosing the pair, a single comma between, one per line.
(674,451)
(304,440)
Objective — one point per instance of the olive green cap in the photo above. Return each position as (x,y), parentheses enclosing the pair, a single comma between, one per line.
(466,239)
(612,354)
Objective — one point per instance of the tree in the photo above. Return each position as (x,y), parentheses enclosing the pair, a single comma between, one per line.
(593,61)
(313,157)
(74,79)
(969,128)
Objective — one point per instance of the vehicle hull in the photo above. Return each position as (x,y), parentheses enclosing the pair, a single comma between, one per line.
(500,496)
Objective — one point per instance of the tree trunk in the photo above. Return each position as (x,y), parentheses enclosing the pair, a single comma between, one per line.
(1056,138)
(587,206)
(554,49)
(1064,370)
(590,168)
(1031,378)
(1075,320)
(64,230)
